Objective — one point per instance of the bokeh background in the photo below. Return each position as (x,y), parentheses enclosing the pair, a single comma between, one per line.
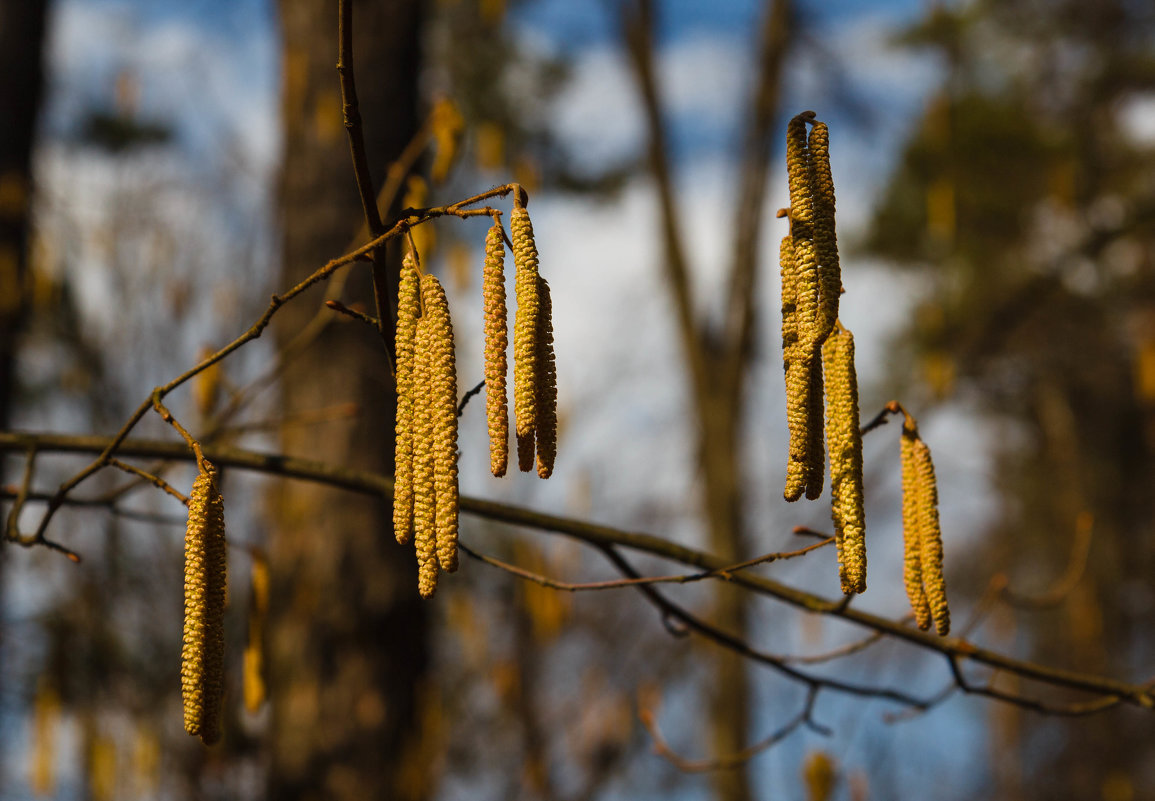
(996,199)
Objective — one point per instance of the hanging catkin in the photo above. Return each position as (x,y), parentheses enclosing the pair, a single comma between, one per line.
(930,538)
(496,341)
(912,500)
(825,238)
(525,335)
(203,649)
(408,302)
(424,493)
(442,379)
(797,377)
(546,384)
(844,440)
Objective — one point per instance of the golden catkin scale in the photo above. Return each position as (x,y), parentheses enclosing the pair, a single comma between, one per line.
(408,302)
(844,440)
(424,495)
(546,384)
(203,649)
(825,238)
(525,336)
(911,527)
(930,538)
(442,398)
(496,342)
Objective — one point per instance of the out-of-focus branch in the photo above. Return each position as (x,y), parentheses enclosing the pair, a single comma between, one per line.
(1141,695)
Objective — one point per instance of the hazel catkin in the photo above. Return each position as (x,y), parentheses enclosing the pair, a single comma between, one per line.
(844,440)
(912,501)
(496,342)
(525,335)
(203,648)
(823,230)
(442,399)
(546,384)
(930,539)
(408,303)
(796,366)
(424,492)
(815,441)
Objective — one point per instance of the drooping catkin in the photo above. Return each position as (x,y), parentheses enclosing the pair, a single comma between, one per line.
(912,526)
(798,170)
(930,538)
(525,335)
(825,238)
(424,493)
(844,441)
(546,384)
(408,302)
(203,649)
(442,377)
(496,342)
(797,377)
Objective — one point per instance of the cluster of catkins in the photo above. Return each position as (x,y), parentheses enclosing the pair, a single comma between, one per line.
(812,338)
(203,649)
(425,495)
(815,342)
(425,484)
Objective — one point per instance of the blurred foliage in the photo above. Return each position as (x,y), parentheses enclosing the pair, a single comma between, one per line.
(1025,200)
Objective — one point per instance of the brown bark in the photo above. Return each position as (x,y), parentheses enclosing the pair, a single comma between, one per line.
(348,644)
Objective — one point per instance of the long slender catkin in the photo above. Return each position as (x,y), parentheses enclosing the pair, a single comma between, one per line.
(442,379)
(546,384)
(844,440)
(496,342)
(797,377)
(825,238)
(525,335)
(912,500)
(408,302)
(424,492)
(203,648)
(930,538)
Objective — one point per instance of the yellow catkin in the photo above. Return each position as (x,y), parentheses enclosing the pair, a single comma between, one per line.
(815,441)
(424,495)
(797,378)
(825,238)
(525,337)
(798,170)
(912,526)
(930,538)
(408,302)
(442,379)
(546,384)
(844,441)
(203,651)
(254,687)
(496,342)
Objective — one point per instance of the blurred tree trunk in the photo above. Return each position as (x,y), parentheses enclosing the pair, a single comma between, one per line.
(21,84)
(348,644)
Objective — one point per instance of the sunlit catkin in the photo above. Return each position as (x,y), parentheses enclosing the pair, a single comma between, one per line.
(930,538)
(796,366)
(844,440)
(525,336)
(408,302)
(546,384)
(912,499)
(203,650)
(424,494)
(815,441)
(496,342)
(442,379)
(825,238)
(798,170)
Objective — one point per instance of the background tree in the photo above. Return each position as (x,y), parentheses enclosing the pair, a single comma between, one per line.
(1024,196)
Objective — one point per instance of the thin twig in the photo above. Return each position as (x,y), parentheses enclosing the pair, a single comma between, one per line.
(465,399)
(151,478)
(341,308)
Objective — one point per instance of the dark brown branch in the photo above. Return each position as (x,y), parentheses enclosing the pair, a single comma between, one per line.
(598,535)
(465,399)
(360,317)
